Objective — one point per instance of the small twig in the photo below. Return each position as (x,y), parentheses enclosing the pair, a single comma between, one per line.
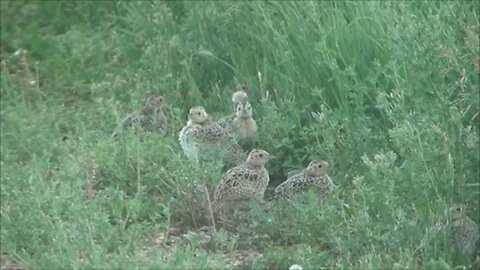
(37,78)
(91,181)
(169,222)
(213,230)
(139,175)
(5,69)
(210,212)
(190,205)
(35,84)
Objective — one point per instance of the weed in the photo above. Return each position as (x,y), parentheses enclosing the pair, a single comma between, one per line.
(386,92)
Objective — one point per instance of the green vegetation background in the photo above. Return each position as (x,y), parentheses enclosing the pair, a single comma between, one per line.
(387,92)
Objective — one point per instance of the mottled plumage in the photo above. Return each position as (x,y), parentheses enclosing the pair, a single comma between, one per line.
(151,117)
(239,96)
(463,234)
(244,126)
(245,182)
(315,175)
(202,134)
(234,156)
(199,130)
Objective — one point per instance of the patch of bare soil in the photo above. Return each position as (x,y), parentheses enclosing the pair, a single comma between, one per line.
(245,251)
(7,263)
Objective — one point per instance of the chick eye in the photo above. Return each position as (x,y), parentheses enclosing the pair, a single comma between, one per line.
(320,166)
(260,155)
(458,209)
(198,113)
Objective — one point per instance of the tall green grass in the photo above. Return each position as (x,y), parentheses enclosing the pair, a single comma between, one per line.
(387,92)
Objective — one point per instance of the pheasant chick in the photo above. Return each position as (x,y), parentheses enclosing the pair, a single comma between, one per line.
(315,175)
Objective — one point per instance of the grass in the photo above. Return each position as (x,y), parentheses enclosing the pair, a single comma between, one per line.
(387,92)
